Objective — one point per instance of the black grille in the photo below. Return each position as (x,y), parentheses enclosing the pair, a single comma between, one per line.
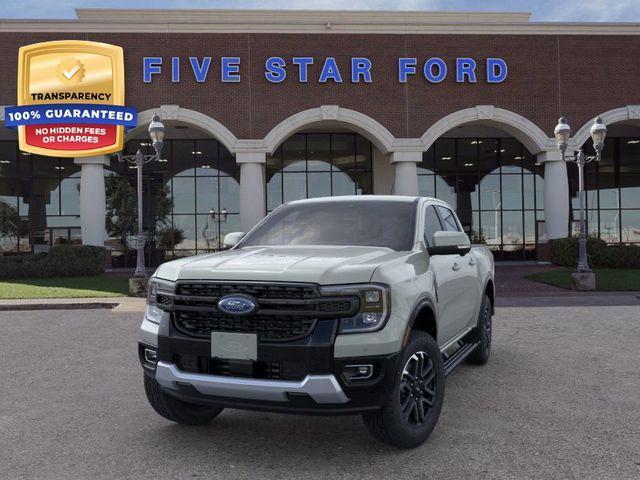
(216,366)
(285,311)
(259,291)
(271,328)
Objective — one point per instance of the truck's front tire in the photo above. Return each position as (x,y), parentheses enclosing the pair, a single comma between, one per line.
(413,406)
(176,410)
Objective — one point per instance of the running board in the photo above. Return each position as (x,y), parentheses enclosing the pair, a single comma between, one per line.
(458,357)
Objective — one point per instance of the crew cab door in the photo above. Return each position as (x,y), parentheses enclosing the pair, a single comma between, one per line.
(454,274)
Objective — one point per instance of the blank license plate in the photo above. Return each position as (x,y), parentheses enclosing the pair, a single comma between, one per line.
(234,346)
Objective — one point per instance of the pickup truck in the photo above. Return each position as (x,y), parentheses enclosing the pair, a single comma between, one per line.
(340,305)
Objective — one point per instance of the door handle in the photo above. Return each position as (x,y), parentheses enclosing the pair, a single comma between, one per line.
(472,262)
(455,267)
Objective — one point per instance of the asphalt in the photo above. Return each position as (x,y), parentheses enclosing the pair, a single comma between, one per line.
(559,399)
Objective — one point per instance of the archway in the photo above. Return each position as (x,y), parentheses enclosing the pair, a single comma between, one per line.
(191,196)
(481,163)
(325,151)
(612,186)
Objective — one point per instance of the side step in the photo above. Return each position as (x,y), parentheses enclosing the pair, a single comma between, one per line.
(450,363)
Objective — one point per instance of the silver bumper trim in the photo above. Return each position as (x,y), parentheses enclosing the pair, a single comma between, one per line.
(321,388)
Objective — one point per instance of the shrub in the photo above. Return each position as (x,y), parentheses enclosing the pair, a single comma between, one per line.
(61,261)
(564,252)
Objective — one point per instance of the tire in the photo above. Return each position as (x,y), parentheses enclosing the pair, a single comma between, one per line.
(401,422)
(176,410)
(481,354)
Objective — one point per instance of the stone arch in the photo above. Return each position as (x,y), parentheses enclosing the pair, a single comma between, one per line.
(527,132)
(197,119)
(622,114)
(374,131)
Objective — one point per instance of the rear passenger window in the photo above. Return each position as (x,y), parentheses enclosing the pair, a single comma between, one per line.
(449,221)
(431,225)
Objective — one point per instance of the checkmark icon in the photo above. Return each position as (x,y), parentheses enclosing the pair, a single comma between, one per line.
(71,73)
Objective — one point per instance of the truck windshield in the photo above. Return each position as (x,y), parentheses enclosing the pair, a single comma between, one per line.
(363,223)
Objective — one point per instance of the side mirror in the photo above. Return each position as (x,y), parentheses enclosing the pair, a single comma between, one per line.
(450,243)
(232,239)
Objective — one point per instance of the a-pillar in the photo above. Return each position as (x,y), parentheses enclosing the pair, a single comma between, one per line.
(92,199)
(406,172)
(252,188)
(556,194)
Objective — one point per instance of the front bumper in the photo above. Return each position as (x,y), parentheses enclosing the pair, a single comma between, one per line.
(300,376)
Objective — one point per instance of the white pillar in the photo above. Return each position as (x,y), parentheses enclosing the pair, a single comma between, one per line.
(252,188)
(406,172)
(556,194)
(93,208)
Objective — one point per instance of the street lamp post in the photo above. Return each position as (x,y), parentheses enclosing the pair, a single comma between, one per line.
(156,133)
(598,132)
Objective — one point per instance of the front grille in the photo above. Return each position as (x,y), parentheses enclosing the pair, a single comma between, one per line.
(257,290)
(285,311)
(270,328)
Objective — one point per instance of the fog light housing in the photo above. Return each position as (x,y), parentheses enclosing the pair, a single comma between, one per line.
(358,372)
(150,356)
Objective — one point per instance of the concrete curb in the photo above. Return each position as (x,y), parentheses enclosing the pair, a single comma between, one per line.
(56,306)
(114,304)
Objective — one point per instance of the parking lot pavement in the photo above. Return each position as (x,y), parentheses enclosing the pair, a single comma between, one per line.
(559,399)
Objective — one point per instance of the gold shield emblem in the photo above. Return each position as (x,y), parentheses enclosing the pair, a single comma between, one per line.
(71,72)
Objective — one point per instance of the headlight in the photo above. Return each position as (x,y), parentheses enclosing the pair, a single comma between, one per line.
(160,293)
(374,306)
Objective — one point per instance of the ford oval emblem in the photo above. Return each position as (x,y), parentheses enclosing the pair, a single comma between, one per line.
(237,305)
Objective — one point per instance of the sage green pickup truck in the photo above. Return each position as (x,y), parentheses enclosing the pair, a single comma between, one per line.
(342,305)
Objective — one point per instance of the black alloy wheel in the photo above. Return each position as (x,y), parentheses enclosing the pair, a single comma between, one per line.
(417,388)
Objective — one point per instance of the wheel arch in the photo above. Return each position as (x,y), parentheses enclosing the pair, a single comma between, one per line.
(423,318)
(490,290)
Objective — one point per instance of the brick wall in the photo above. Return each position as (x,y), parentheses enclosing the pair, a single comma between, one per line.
(578,76)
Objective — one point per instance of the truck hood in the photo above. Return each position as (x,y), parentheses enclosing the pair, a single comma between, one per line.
(324,265)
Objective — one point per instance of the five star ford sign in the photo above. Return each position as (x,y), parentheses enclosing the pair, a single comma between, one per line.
(71,99)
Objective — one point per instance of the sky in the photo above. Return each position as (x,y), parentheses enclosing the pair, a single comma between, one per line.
(542,10)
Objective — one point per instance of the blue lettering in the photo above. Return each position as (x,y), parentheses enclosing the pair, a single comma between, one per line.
(175,69)
(360,67)
(331,71)
(303,66)
(230,70)
(275,69)
(465,67)
(151,66)
(406,66)
(200,71)
(428,70)
(496,70)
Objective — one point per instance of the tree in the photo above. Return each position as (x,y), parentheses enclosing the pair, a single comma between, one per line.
(122,208)
(9,221)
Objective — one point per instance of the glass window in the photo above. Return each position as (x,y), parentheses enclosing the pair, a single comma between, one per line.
(387,224)
(630,221)
(311,165)
(448,219)
(431,224)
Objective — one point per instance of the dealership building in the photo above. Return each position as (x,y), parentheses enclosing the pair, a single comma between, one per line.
(264,107)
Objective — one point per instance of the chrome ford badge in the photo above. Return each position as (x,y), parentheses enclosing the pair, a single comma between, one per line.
(237,305)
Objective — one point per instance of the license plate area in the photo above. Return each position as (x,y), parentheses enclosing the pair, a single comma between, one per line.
(234,346)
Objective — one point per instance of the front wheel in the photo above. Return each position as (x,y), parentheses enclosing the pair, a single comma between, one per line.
(413,407)
(176,410)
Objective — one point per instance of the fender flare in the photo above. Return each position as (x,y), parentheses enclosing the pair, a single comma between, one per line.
(423,301)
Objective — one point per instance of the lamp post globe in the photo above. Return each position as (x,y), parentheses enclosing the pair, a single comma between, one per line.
(598,133)
(562,133)
(156,133)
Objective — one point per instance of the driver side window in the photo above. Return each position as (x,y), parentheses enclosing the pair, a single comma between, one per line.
(431,225)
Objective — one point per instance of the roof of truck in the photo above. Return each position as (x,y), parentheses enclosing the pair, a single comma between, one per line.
(363,198)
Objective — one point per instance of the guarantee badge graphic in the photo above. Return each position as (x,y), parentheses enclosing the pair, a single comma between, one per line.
(71,99)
